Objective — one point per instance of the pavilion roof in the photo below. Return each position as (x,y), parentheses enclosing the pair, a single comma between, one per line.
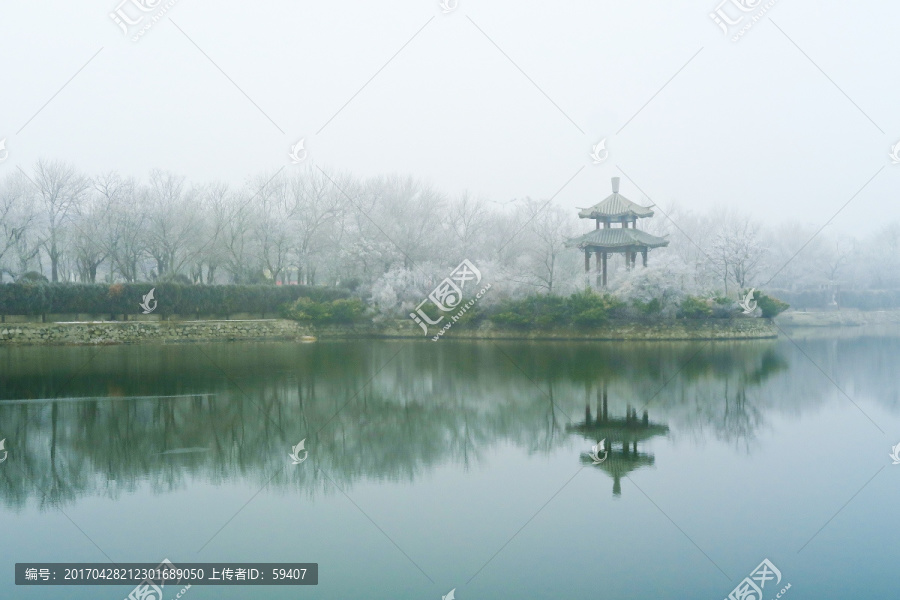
(618,430)
(617,237)
(619,464)
(615,206)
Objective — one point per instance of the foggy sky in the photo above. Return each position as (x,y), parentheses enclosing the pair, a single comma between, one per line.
(504,99)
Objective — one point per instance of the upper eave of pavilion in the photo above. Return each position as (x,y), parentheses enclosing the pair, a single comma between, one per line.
(615,206)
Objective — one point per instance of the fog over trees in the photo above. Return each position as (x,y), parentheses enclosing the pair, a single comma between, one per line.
(391,238)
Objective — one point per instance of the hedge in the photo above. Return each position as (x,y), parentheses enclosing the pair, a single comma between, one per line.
(345,311)
(584,309)
(770,306)
(171,298)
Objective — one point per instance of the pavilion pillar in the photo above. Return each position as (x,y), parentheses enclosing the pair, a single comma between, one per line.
(605,404)
(599,268)
(587,261)
(604,269)
(644,256)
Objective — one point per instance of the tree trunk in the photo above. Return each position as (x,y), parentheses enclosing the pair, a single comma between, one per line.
(54,262)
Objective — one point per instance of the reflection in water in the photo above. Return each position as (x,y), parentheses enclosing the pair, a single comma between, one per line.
(165,416)
(625,432)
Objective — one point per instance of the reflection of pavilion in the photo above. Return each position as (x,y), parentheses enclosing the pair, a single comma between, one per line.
(623,432)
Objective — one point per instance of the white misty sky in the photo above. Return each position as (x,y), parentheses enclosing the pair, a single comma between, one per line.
(753,124)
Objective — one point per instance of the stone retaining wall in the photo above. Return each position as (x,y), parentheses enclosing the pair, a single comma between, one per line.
(677,329)
(116,332)
(153,317)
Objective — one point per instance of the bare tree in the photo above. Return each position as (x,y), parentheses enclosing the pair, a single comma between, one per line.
(548,228)
(125,218)
(271,227)
(467,220)
(737,249)
(17,218)
(408,214)
(90,226)
(315,204)
(172,221)
(61,190)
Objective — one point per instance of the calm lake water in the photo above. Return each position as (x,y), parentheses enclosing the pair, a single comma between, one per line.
(463,465)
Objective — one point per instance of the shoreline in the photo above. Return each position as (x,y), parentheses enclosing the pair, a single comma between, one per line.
(173,332)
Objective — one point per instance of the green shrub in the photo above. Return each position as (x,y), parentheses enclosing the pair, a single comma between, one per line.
(344,311)
(591,317)
(724,307)
(693,307)
(769,305)
(653,307)
(172,298)
(584,309)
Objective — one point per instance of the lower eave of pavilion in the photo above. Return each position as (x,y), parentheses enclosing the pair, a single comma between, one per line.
(617,240)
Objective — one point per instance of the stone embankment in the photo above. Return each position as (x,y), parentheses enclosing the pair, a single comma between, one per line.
(132,332)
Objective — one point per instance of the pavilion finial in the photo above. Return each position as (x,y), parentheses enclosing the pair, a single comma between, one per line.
(615,185)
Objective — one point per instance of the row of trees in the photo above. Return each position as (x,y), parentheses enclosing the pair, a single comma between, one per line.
(390,237)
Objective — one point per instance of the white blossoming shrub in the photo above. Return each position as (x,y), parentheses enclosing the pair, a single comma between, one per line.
(667,280)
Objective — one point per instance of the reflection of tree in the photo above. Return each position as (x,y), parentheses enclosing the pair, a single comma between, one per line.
(163,416)
(730,404)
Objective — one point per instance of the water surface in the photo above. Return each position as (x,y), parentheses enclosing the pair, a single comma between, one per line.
(461,465)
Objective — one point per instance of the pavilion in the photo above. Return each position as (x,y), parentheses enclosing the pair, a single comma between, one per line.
(624,433)
(625,239)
